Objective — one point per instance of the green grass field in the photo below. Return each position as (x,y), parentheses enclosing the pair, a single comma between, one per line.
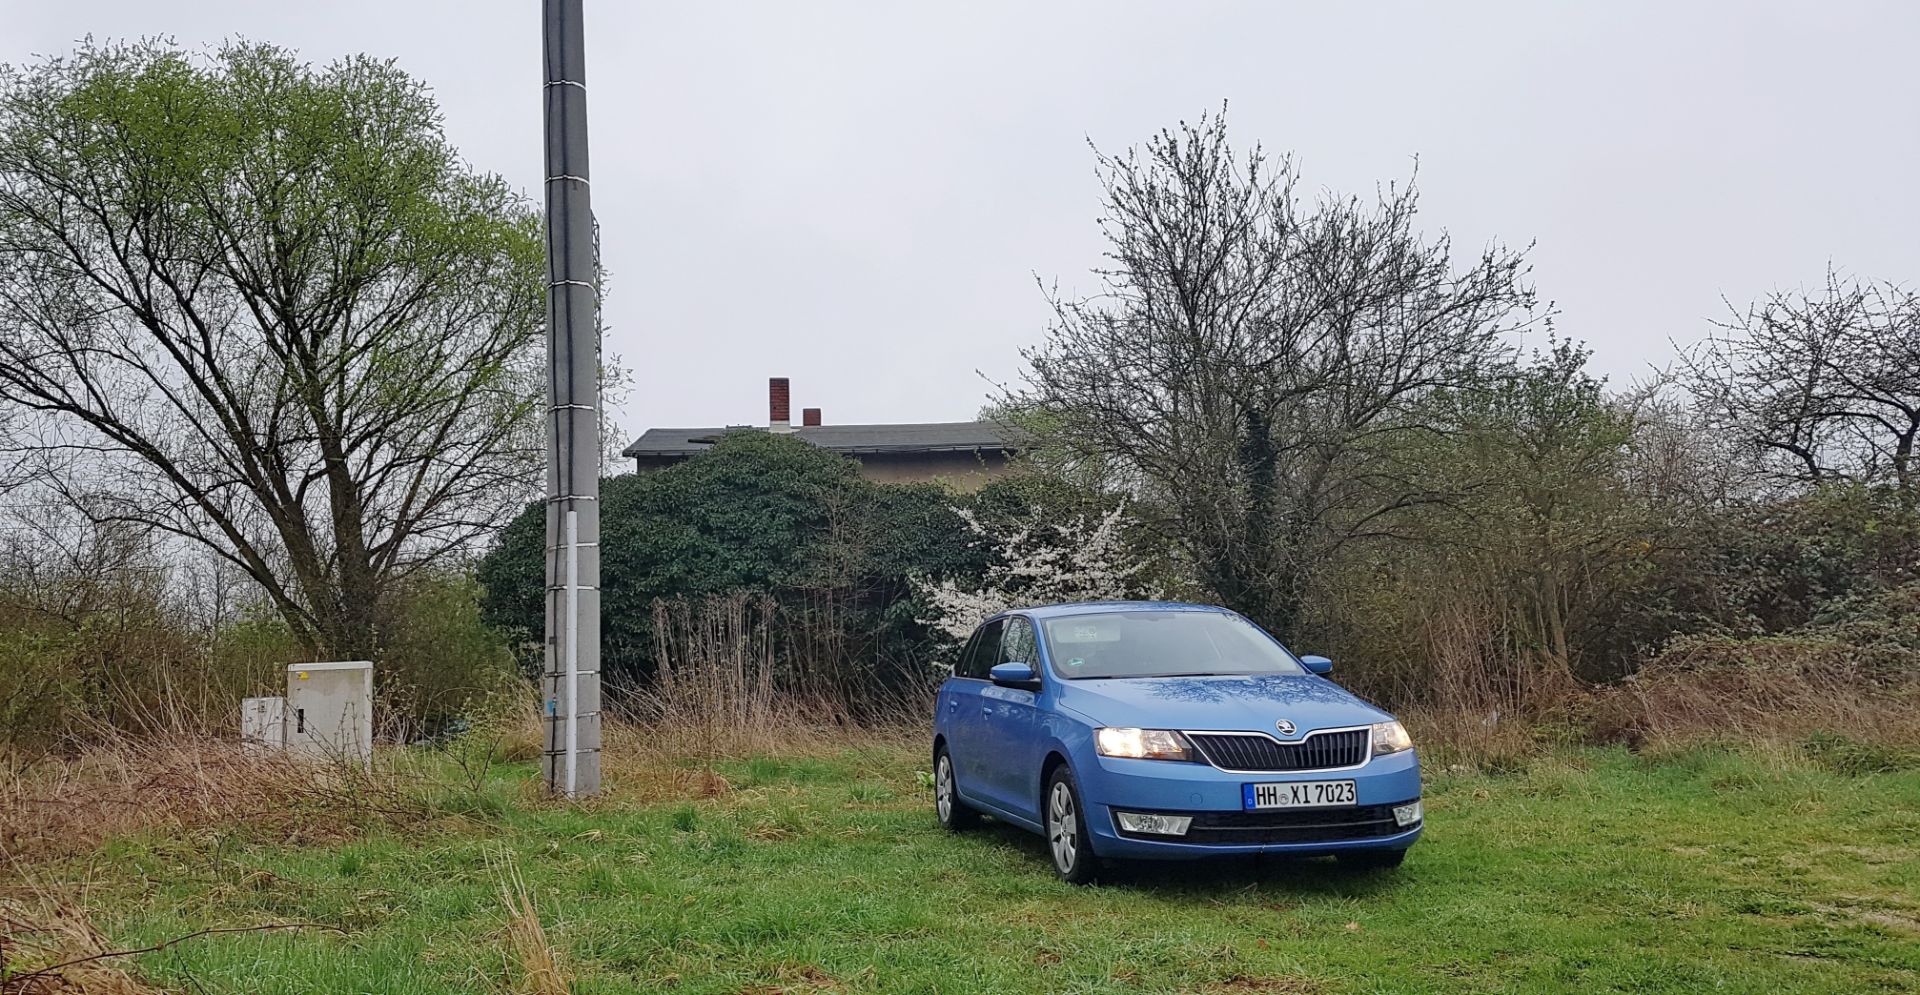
(1589,871)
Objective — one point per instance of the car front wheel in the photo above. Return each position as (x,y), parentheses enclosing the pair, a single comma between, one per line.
(954,813)
(1066,825)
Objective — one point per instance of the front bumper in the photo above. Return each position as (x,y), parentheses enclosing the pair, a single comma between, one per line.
(1213,797)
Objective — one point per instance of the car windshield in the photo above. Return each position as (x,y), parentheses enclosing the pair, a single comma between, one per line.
(1162,644)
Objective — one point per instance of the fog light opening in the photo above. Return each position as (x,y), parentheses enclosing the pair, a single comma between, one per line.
(1408,814)
(1154,823)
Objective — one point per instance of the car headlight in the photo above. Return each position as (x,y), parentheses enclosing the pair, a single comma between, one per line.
(1142,744)
(1390,737)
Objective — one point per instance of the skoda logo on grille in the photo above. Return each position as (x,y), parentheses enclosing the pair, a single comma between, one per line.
(1286,728)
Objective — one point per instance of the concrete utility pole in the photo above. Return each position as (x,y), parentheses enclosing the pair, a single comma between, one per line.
(572,683)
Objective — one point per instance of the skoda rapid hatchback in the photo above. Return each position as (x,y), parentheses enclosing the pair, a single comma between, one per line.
(1156,730)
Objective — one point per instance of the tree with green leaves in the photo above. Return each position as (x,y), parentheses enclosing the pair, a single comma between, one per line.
(1551,562)
(1540,457)
(265,308)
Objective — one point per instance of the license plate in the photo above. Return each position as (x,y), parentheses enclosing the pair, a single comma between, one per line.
(1297,794)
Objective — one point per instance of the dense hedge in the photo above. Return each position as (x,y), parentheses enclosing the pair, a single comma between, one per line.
(758,512)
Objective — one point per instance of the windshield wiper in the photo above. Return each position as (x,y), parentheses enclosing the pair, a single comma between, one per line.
(1201,673)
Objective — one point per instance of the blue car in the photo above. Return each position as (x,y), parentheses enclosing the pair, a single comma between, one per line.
(1166,731)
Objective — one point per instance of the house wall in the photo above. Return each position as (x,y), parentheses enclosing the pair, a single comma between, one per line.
(962,472)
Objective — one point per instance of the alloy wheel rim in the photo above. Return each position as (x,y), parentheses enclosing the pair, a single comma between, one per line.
(1063,829)
(943,789)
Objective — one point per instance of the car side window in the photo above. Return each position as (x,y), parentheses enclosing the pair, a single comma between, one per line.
(1017,646)
(967,649)
(985,651)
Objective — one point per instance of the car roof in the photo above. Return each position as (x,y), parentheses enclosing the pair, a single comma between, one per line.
(1106,607)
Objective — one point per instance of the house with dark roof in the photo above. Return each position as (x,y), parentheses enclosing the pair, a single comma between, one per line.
(961,455)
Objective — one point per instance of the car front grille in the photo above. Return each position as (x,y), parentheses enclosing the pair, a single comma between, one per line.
(1311,825)
(1251,751)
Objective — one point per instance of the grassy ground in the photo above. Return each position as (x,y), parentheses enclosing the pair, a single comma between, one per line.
(1703,870)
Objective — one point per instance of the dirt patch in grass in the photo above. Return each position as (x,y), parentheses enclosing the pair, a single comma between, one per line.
(1241,984)
(1898,921)
(796,979)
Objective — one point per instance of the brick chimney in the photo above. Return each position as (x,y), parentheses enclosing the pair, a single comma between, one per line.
(810,417)
(779,412)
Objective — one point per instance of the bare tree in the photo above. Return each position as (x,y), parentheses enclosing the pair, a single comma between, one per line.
(1254,364)
(59,566)
(1826,385)
(266,307)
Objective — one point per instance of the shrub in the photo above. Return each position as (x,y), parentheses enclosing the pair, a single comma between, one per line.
(1855,758)
(440,663)
(81,654)
(1776,565)
(757,513)
(1857,671)
(142,662)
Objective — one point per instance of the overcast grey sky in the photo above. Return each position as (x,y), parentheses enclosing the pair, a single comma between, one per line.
(857,196)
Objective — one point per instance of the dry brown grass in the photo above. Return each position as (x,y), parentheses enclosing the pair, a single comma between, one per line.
(658,758)
(49,943)
(55,805)
(1478,701)
(511,726)
(1761,691)
(1478,738)
(664,748)
(717,699)
(60,804)
(792,725)
(535,967)
(658,747)
(1770,711)
(732,665)
(40,934)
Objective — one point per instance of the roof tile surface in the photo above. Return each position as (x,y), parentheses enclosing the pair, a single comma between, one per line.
(926,437)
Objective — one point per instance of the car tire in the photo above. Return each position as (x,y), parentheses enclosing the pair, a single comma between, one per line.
(1372,860)
(954,814)
(1065,821)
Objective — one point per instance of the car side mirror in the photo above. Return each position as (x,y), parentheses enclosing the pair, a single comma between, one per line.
(1318,664)
(1015,675)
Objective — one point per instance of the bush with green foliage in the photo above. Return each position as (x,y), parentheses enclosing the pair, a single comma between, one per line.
(1573,538)
(440,663)
(758,512)
(133,658)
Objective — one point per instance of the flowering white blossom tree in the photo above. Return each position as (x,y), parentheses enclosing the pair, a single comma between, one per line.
(1039,561)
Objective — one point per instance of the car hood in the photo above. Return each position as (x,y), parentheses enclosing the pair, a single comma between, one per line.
(1250,703)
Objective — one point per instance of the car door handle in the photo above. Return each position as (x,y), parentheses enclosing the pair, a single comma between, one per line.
(953,704)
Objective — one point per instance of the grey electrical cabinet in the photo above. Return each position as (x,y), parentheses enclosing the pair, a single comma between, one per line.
(329,710)
(263,724)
